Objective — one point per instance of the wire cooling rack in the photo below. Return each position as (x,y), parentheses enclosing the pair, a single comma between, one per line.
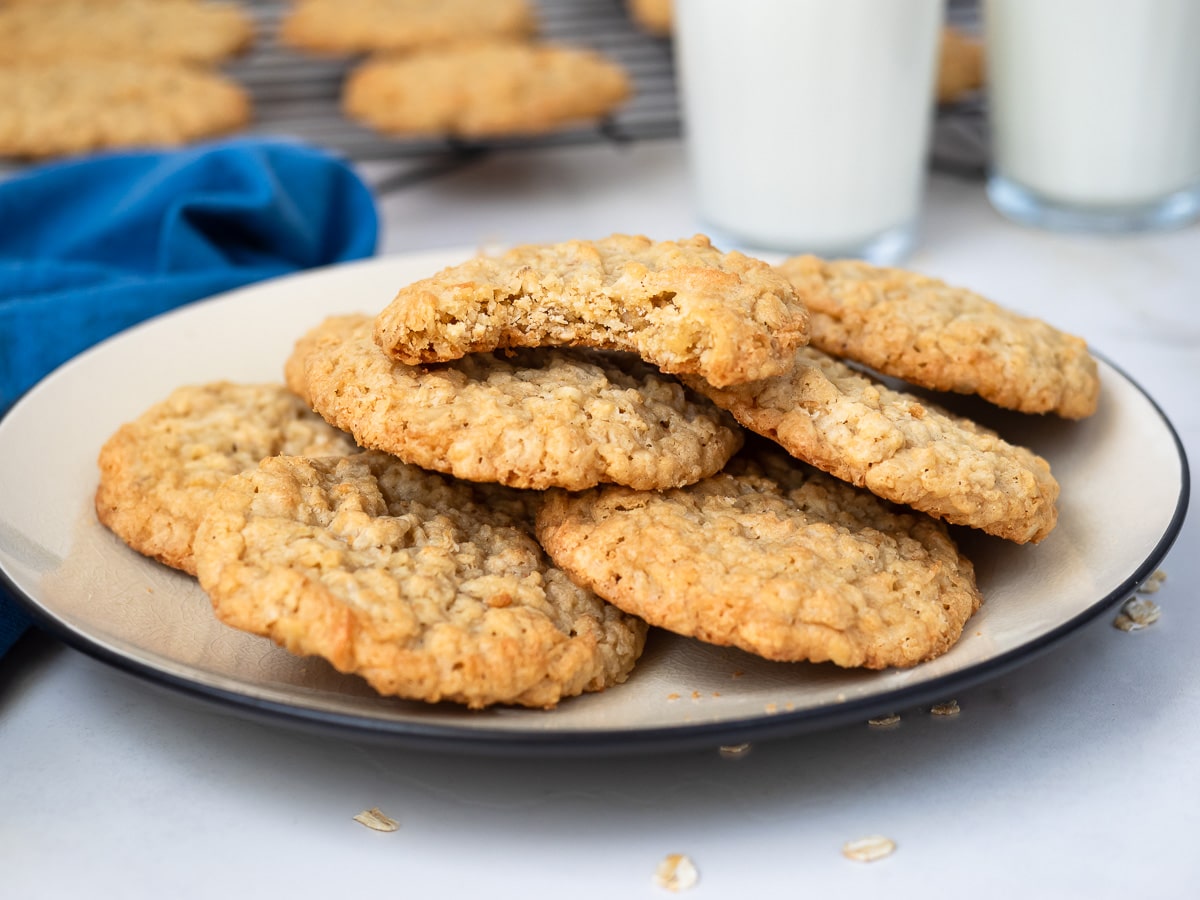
(298,94)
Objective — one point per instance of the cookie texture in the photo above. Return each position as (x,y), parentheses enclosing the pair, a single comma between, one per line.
(943,337)
(428,588)
(164,30)
(158,473)
(771,557)
(530,419)
(682,305)
(479,90)
(78,106)
(365,26)
(897,446)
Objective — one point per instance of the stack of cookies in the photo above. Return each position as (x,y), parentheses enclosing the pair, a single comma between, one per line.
(465,68)
(486,491)
(84,75)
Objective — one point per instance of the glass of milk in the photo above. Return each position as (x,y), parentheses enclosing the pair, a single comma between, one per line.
(807,122)
(1094,112)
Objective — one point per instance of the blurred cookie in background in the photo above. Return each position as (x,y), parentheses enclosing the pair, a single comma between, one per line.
(653,16)
(960,66)
(484,89)
(78,106)
(365,26)
(169,30)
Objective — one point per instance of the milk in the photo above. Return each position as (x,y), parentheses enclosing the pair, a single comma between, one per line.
(1095,104)
(807,122)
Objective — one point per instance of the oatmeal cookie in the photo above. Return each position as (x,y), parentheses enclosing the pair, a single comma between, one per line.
(681,305)
(960,65)
(774,558)
(365,26)
(429,588)
(484,90)
(164,30)
(656,17)
(944,338)
(71,107)
(530,419)
(158,473)
(897,446)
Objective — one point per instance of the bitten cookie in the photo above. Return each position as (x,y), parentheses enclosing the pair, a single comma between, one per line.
(944,338)
(428,588)
(682,305)
(897,446)
(158,473)
(164,30)
(364,26)
(535,419)
(68,107)
(484,90)
(772,557)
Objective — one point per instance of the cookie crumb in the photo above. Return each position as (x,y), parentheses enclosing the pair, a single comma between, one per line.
(676,873)
(672,696)
(1136,614)
(869,849)
(948,708)
(734,751)
(374,819)
(884,721)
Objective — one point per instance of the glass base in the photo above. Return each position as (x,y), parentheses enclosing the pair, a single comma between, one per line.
(1025,207)
(887,248)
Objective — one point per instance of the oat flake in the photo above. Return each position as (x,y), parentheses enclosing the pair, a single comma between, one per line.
(949,708)
(1136,614)
(734,751)
(1153,583)
(884,721)
(676,873)
(373,818)
(869,849)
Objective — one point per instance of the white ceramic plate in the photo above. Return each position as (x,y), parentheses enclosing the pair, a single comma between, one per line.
(1124,489)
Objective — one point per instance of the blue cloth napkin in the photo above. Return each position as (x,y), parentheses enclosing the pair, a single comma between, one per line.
(90,247)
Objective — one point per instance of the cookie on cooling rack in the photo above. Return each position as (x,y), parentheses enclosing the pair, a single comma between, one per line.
(656,17)
(428,588)
(683,305)
(78,106)
(960,65)
(944,338)
(366,26)
(74,30)
(158,472)
(479,90)
(529,419)
(772,557)
(897,446)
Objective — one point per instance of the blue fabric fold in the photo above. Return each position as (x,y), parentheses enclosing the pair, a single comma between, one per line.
(91,247)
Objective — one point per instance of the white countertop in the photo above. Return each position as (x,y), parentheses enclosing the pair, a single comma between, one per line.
(1072,776)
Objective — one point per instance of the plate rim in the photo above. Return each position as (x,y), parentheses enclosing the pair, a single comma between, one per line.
(550,742)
